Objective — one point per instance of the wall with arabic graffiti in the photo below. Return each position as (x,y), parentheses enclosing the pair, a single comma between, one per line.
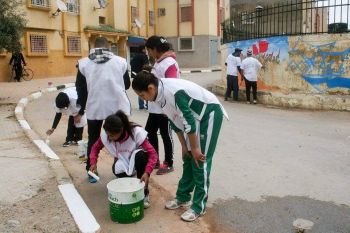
(311,64)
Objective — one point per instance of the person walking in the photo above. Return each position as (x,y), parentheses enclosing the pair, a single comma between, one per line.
(66,103)
(196,115)
(250,67)
(136,64)
(165,66)
(233,66)
(17,59)
(127,143)
(102,81)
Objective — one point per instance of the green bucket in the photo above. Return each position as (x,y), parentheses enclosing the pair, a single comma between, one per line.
(125,197)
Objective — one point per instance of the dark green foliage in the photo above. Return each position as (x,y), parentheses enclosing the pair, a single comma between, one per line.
(12,23)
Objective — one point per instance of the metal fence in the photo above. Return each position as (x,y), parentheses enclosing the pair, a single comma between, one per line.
(292,17)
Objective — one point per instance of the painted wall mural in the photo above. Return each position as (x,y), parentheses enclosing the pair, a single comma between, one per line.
(324,65)
(271,52)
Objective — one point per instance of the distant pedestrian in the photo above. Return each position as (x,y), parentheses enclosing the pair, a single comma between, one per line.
(250,67)
(165,66)
(66,103)
(196,115)
(233,67)
(136,64)
(127,143)
(102,81)
(17,59)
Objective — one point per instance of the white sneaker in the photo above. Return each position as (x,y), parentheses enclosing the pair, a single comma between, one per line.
(190,215)
(146,202)
(175,204)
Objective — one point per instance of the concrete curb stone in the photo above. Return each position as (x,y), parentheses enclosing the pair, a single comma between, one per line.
(83,217)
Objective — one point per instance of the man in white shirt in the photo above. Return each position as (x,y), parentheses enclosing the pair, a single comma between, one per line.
(250,67)
(233,63)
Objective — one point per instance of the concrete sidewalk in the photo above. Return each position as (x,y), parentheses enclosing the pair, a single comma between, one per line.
(29,199)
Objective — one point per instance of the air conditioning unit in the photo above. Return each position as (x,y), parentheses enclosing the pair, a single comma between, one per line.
(161,12)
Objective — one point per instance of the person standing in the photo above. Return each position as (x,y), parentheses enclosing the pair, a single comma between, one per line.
(250,67)
(165,66)
(102,81)
(196,115)
(233,64)
(66,103)
(136,64)
(17,59)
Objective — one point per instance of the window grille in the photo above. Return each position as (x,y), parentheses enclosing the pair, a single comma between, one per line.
(186,13)
(38,44)
(73,6)
(151,18)
(41,3)
(186,43)
(73,44)
(134,13)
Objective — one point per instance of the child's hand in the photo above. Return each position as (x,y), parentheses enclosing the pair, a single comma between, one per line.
(77,119)
(50,131)
(145,178)
(93,168)
(198,156)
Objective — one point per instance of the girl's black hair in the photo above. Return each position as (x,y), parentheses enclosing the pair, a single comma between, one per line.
(117,122)
(143,79)
(159,43)
(62,100)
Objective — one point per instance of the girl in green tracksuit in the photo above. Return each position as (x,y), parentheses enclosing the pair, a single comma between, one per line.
(196,116)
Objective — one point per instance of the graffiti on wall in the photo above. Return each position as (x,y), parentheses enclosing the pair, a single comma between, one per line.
(324,66)
(273,49)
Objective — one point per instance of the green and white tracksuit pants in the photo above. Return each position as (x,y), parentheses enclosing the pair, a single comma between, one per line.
(194,177)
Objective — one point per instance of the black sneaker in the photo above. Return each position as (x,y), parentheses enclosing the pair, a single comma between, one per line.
(66,144)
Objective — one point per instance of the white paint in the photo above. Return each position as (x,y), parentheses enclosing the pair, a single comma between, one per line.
(206,71)
(18,110)
(36,95)
(80,211)
(51,89)
(70,85)
(185,72)
(24,124)
(303,224)
(23,101)
(45,149)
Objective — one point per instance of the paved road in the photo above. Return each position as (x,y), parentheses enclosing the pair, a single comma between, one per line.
(271,167)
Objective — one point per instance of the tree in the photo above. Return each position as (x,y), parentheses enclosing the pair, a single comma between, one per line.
(12,25)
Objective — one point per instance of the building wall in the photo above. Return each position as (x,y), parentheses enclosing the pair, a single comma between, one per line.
(307,64)
(57,62)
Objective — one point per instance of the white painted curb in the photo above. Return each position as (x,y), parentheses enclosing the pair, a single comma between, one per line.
(81,213)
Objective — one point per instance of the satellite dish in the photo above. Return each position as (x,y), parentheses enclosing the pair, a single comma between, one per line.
(102,3)
(61,7)
(138,23)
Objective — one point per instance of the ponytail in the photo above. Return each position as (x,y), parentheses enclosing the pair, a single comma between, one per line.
(117,122)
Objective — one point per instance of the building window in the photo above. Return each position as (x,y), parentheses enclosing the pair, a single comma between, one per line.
(40,3)
(186,44)
(73,6)
(186,13)
(73,45)
(102,20)
(38,44)
(134,13)
(151,18)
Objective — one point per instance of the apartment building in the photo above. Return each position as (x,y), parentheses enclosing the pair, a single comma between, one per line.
(57,36)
